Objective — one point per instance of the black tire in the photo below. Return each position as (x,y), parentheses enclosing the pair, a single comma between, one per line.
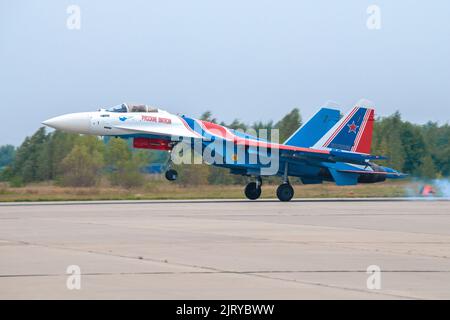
(285,192)
(171,175)
(252,192)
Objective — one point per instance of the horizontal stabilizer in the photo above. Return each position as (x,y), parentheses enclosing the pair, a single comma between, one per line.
(364,171)
(344,178)
(391,174)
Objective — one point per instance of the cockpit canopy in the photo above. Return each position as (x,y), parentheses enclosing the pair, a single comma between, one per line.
(131,107)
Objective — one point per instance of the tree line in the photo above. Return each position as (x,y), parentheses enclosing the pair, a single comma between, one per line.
(80,160)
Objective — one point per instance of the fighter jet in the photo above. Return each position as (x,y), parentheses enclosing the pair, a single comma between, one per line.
(328,147)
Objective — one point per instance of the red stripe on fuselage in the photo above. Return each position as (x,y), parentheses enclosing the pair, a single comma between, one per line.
(217,130)
(269,145)
(226,134)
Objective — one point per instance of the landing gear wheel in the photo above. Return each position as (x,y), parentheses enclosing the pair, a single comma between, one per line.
(171,175)
(252,191)
(285,192)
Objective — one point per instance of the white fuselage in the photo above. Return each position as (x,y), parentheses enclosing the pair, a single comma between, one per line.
(106,123)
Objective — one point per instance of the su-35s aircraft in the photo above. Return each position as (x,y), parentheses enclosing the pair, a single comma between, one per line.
(325,148)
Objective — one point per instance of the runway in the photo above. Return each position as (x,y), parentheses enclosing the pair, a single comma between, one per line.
(226,249)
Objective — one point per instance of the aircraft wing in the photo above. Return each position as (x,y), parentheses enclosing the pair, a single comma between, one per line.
(301,153)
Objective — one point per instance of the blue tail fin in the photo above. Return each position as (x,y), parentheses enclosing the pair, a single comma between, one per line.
(314,129)
(352,133)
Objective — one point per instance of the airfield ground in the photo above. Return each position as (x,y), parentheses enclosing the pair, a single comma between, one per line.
(161,189)
(304,249)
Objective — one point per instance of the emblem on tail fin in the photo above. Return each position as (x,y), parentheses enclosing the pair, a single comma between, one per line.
(352,133)
(352,127)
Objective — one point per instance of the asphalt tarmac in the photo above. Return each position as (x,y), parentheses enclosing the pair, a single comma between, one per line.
(304,249)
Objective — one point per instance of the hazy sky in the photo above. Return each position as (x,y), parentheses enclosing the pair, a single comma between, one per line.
(252,60)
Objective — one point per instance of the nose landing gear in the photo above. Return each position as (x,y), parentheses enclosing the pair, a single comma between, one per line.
(171,175)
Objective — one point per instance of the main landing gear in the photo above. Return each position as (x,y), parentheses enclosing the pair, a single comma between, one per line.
(253,189)
(285,192)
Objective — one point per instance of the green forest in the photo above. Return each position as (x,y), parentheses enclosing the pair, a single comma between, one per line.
(75,160)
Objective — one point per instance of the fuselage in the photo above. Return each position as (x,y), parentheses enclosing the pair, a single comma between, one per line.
(242,153)
(108,123)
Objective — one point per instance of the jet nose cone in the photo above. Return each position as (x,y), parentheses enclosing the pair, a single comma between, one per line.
(51,122)
(74,122)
